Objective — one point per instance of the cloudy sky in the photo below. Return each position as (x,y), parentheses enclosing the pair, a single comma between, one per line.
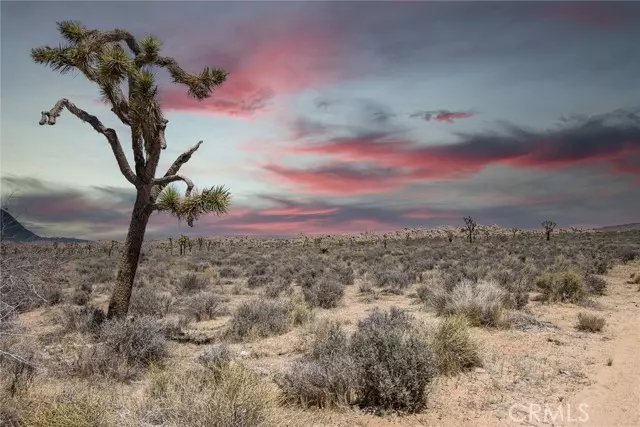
(345,116)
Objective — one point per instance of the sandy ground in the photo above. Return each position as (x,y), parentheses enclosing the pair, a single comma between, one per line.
(556,378)
(548,376)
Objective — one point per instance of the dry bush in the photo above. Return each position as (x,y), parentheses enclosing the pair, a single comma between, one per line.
(453,346)
(590,322)
(394,362)
(121,349)
(204,306)
(216,356)
(140,341)
(260,319)
(147,302)
(277,288)
(327,377)
(393,279)
(229,396)
(27,281)
(482,303)
(386,365)
(324,292)
(83,319)
(595,285)
(193,282)
(18,360)
(562,286)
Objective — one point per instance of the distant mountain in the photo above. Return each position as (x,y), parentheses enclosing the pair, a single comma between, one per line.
(12,230)
(621,227)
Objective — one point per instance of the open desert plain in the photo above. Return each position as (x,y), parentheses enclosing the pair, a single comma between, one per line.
(411,330)
(320,213)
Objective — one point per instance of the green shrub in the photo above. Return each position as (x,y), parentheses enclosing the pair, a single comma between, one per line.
(564,286)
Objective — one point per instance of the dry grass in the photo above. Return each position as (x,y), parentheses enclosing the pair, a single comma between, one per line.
(590,322)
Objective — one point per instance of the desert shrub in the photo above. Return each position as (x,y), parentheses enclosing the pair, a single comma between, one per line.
(139,341)
(320,382)
(325,292)
(629,254)
(482,303)
(147,302)
(561,286)
(394,363)
(344,275)
(80,297)
(327,377)
(229,272)
(595,285)
(590,322)
(227,397)
(83,319)
(217,355)
(260,318)
(193,282)
(395,280)
(203,306)
(453,346)
(256,281)
(259,269)
(276,288)
(18,366)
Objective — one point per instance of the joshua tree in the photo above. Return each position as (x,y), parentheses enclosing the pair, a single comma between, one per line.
(514,231)
(200,241)
(450,236)
(183,241)
(549,226)
(470,227)
(170,245)
(122,66)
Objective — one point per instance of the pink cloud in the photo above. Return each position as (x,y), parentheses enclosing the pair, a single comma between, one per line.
(296,211)
(269,58)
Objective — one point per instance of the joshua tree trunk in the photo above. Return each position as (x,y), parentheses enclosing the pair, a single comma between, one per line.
(142,209)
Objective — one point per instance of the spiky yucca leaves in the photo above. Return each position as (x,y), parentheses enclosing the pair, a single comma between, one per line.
(101,58)
(215,200)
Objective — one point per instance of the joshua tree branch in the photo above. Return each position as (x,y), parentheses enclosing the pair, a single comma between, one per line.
(174,168)
(49,117)
(182,159)
(165,180)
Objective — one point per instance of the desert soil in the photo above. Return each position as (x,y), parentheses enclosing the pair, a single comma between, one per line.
(561,369)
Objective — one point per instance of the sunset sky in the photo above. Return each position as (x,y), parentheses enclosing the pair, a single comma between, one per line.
(343,117)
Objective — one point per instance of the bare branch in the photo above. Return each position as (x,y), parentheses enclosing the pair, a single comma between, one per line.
(182,159)
(49,117)
(174,168)
(165,180)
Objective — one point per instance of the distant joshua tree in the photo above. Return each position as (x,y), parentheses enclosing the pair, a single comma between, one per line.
(470,227)
(122,68)
(514,231)
(549,226)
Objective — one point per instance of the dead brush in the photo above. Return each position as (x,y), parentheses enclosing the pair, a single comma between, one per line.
(590,322)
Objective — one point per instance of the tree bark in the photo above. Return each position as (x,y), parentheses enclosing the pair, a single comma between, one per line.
(142,209)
